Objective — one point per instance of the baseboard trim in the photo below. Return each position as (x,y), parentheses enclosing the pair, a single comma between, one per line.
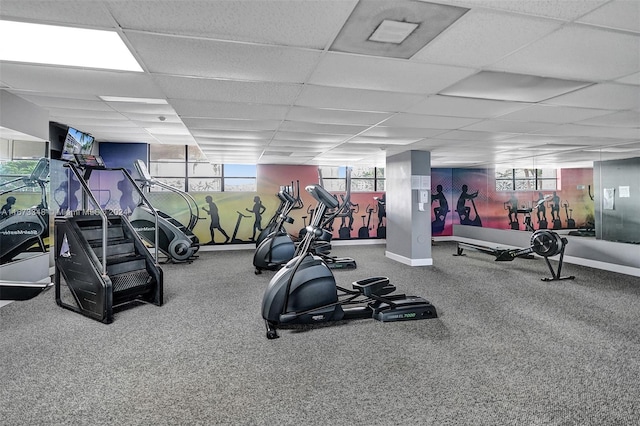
(407,261)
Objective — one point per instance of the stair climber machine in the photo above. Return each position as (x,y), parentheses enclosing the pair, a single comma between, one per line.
(24,230)
(304,291)
(101,263)
(177,241)
(278,247)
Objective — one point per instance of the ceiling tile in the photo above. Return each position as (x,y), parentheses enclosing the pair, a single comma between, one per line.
(202,89)
(335,116)
(465,107)
(201,58)
(565,10)
(355,99)
(592,131)
(623,15)
(554,114)
(310,23)
(87,13)
(577,52)
(229,124)
(617,119)
(332,129)
(505,126)
(429,121)
(309,137)
(194,109)
(78,81)
(482,37)
(366,72)
(605,95)
(401,132)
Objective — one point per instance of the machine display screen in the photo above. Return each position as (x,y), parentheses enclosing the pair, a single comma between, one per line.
(90,160)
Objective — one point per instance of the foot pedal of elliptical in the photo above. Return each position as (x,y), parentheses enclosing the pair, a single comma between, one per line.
(407,308)
(378,286)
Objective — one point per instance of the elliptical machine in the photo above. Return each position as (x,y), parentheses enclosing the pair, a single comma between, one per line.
(278,247)
(21,230)
(176,241)
(304,291)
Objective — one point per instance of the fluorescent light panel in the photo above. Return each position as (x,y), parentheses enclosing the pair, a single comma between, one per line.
(504,86)
(392,31)
(55,45)
(151,101)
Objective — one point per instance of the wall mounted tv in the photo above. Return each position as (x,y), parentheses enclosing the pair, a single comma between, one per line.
(76,142)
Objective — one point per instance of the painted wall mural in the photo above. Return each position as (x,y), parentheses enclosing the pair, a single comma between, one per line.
(469,197)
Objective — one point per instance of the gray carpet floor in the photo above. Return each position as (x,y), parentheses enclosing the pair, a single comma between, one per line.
(507,349)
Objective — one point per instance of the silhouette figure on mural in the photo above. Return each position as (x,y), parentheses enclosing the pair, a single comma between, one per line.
(70,200)
(555,211)
(215,220)
(127,205)
(512,206)
(6,209)
(437,226)
(257,209)
(464,211)
(381,230)
(541,211)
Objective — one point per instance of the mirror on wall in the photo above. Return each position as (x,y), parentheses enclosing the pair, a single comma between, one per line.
(24,189)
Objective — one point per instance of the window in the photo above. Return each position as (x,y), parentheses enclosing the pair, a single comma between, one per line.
(526,179)
(363,179)
(185,167)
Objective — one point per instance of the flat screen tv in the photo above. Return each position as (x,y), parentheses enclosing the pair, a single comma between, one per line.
(76,142)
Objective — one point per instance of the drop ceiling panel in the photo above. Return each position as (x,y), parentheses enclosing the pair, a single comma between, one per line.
(429,121)
(366,72)
(308,137)
(605,95)
(505,126)
(201,58)
(511,87)
(593,131)
(202,89)
(141,108)
(401,132)
(371,141)
(554,114)
(87,13)
(232,134)
(331,129)
(624,15)
(191,108)
(630,79)
(86,113)
(228,124)
(333,116)
(76,81)
(310,24)
(617,119)
(474,136)
(482,37)
(355,99)
(465,107)
(577,52)
(66,102)
(565,10)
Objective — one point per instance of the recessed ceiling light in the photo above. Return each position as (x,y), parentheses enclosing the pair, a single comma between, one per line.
(56,45)
(504,86)
(152,101)
(392,31)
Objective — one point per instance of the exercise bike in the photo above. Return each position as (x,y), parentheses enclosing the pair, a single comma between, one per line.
(304,291)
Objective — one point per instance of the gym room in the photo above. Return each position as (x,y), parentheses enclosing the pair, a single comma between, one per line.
(314,212)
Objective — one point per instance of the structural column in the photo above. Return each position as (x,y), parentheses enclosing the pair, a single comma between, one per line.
(408,199)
